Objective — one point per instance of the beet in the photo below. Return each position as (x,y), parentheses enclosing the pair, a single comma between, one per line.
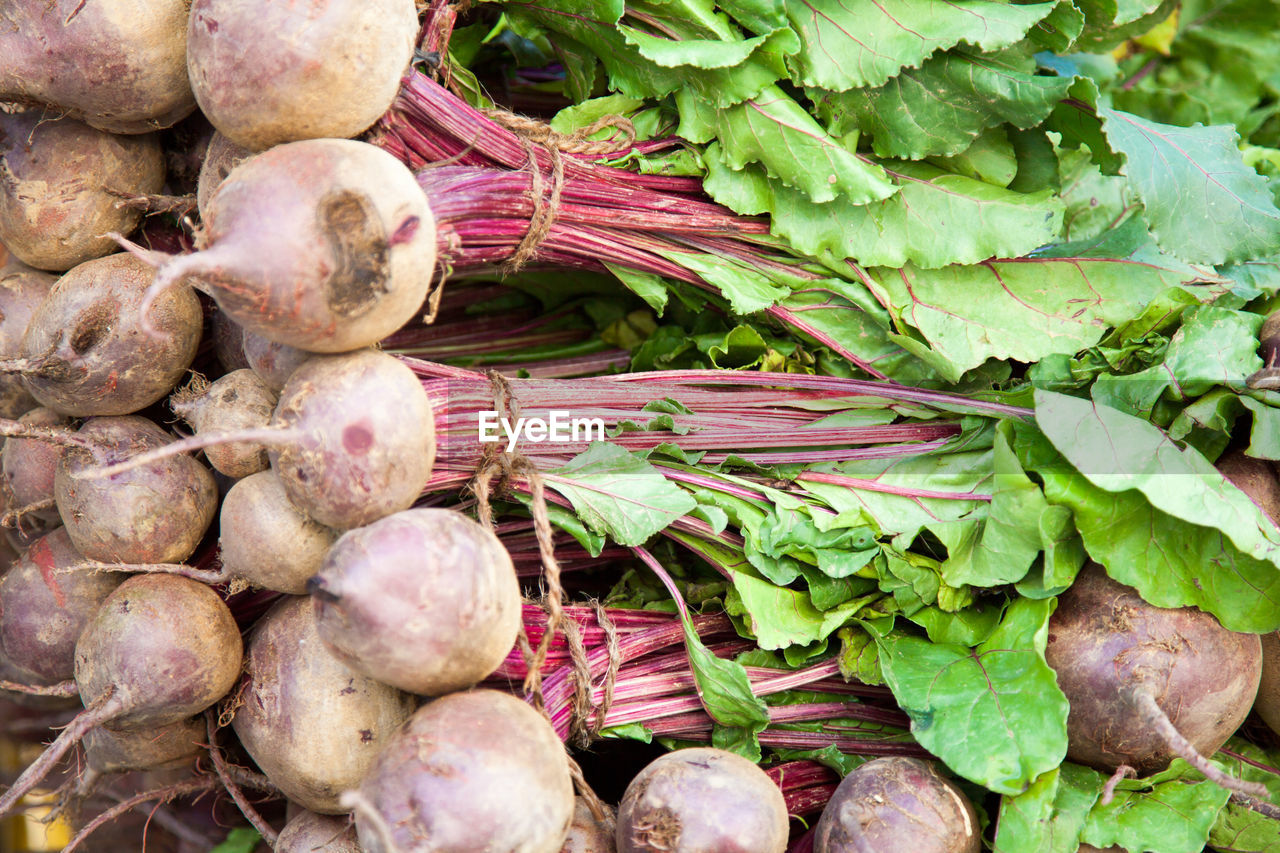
(309,832)
(352,462)
(326,245)
(86,352)
(159,649)
(172,745)
(897,803)
(220,157)
(28,466)
(265,541)
(342,461)
(238,400)
(228,342)
(479,770)
(1115,655)
(155,513)
(426,600)
(274,363)
(1256,478)
(43,609)
(1267,702)
(588,835)
(267,74)
(119,65)
(63,184)
(22,290)
(701,800)
(1269,340)
(313,725)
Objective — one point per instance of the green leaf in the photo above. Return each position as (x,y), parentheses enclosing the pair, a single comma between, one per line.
(725,690)
(936,219)
(1022,309)
(941,107)
(242,839)
(1050,815)
(1059,30)
(781,617)
(991,159)
(1000,548)
(1239,827)
(1171,561)
(619,494)
(847,44)
(1171,815)
(1096,203)
(1204,204)
(993,714)
(774,130)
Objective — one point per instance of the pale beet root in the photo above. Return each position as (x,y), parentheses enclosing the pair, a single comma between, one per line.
(702,800)
(311,723)
(159,649)
(274,363)
(1255,477)
(22,290)
(268,74)
(86,352)
(28,466)
(62,186)
(155,513)
(163,647)
(344,457)
(43,608)
(897,803)
(309,832)
(220,157)
(1267,702)
(238,400)
(119,65)
(265,540)
(172,745)
(1269,340)
(479,770)
(588,835)
(425,599)
(352,461)
(1115,655)
(326,245)
(228,342)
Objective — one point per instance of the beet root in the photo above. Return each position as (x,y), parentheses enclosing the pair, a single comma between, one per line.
(29,465)
(43,610)
(1115,654)
(22,290)
(238,400)
(309,832)
(274,363)
(1267,703)
(86,351)
(165,647)
(897,803)
(279,73)
(62,187)
(220,157)
(426,600)
(172,745)
(119,65)
(156,513)
(312,724)
(1256,478)
(264,540)
(326,245)
(353,462)
(699,800)
(479,770)
(159,649)
(588,835)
